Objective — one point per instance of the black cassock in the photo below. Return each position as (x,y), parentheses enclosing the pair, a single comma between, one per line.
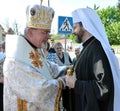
(94,89)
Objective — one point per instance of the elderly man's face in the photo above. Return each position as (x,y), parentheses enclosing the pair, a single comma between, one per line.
(78,31)
(77,51)
(59,49)
(38,36)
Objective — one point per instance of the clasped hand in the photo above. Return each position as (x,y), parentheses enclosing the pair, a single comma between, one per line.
(70,81)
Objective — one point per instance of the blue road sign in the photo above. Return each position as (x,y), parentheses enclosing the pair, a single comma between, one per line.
(65,25)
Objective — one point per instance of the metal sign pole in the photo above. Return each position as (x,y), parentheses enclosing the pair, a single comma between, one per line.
(65,43)
(48,2)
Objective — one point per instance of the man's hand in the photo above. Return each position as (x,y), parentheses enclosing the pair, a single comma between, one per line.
(70,81)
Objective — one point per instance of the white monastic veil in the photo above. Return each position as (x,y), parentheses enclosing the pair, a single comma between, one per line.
(92,23)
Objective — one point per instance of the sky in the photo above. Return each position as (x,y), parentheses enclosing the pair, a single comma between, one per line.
(14,10)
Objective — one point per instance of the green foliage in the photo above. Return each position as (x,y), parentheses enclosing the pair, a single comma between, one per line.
(55,36)
(113,32)
(111,20)
(73,38)
(67,36)
(110,17)
(118,6)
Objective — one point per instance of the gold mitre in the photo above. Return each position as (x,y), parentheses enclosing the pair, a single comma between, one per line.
(39,16)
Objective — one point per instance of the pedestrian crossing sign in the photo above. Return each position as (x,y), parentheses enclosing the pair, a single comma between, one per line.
(65,25)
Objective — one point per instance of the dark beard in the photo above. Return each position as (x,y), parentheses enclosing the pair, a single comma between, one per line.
(79,36)
(78,39)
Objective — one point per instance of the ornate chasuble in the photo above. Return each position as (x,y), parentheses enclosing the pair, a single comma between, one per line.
(24,52)
(28,79)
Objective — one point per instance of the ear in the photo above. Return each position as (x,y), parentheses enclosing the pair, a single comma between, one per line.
(29,33)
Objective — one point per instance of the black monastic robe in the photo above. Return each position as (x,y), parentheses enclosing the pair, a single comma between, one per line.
(94,89)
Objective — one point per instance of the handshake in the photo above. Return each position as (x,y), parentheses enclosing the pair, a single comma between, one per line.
(69,79)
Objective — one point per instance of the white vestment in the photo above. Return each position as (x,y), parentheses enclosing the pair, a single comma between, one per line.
(28,78)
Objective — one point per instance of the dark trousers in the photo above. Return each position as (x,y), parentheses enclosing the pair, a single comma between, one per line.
(68,99)
(1,97)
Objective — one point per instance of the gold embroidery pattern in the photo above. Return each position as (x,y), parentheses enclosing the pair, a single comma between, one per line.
(22,105)
(57,100)
(41,17)
(36,58)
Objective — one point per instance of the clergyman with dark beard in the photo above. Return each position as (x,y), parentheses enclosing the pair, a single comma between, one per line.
(95,80)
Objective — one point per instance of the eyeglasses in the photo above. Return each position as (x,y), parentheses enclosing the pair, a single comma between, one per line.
(47,32)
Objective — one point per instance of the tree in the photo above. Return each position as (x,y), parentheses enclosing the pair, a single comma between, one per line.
(6,24)
(111,20)
(118,6)
(73,38)
(113,32)
(16,27)
(11,27)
